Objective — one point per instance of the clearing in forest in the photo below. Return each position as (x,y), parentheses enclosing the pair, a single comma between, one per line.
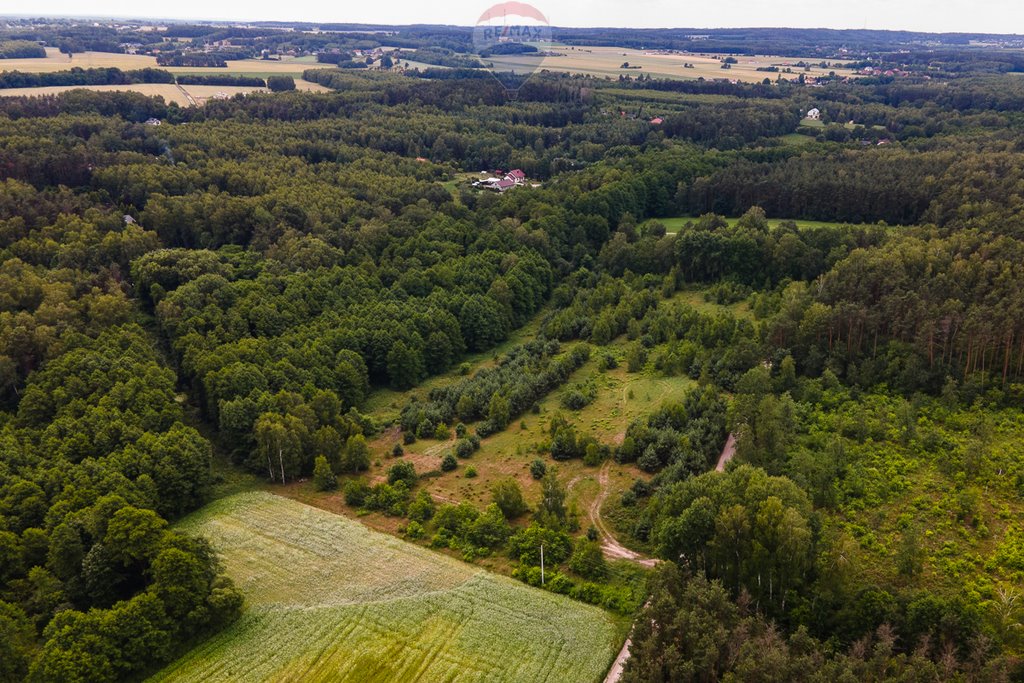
(329,599)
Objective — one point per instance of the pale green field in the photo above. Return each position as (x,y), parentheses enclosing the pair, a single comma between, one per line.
(327,599)
(676,223)
(607,61)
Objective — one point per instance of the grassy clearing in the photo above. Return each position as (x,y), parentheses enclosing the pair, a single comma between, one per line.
(329,599)
(796,139)
(621,398)
(676,223)
(694,297)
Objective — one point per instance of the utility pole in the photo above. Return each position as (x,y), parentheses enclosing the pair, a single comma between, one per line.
(542,564)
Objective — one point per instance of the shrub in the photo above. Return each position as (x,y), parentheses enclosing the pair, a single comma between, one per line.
(414,530)
(323,477)
(580,395)
(397,451)
(525,545)
(425,429)
(460,430)
(355,492)
(588,592)
(489,529)
(442,433)
(448,463)
(636,357)
(587,560)
(538,469)
(422,508)
(463,448)
(470,472)
(408,438)
(594,455)
(357,455)
(389,499)
(508,496)
(402,471)
(559,583)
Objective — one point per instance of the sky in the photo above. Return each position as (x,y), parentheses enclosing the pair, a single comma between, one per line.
(989,16)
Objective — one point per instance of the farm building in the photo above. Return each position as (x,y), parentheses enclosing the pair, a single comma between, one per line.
(814,114)
(501,182)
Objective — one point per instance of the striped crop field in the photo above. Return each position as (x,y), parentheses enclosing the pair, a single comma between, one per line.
(327,599)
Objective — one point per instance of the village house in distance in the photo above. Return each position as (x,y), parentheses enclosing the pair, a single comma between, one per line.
(500,182)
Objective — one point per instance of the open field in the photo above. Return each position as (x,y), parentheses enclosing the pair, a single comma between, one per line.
(170,92)
(55,61)
(607,61)
(329,599)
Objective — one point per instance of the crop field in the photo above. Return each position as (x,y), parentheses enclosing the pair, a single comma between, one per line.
(55,61)
(170,92)
(329,599)
(608,61)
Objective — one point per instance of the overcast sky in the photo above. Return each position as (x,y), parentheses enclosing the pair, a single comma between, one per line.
(996,16)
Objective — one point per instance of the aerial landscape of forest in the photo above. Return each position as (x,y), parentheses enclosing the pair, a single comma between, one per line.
(370,352)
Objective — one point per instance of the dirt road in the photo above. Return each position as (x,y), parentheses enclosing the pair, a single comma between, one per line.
(613,550)
(619,665)
(727,453)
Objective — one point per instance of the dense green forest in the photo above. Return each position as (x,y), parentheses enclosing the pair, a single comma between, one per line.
(230,292)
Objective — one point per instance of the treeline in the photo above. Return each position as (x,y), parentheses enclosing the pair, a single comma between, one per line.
(845,186)
(196,59)
(685,437)
(284,334)
(877,319)
(96,459)
(21,49)
(221,79)
(496,395)
(441,57)
(79,76)
(732,125)
(749,647)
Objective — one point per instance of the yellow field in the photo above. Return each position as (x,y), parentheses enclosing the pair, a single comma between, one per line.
(55,61)
(168,91)
(171,93)
(607,61)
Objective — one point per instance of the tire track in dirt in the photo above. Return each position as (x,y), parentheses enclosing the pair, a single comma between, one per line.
(728,452)
(612,549)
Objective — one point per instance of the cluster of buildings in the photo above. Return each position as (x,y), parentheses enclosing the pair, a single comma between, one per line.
(501,182)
